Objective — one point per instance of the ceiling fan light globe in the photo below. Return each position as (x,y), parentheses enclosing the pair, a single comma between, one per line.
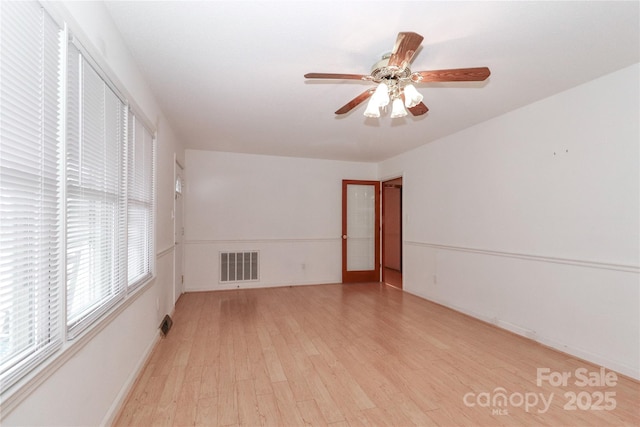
(372,109)
(397,109)
(381,95)
(411,96)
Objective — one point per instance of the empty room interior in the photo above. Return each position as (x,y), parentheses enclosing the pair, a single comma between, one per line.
(337,213)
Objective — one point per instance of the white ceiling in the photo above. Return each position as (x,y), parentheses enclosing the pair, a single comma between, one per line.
(229,74)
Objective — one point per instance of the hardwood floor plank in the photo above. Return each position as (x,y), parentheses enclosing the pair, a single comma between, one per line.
(208,382)
(310,413)
(227,408)
(344,389)
(164,415)
(241,357)
(274,368)
(152,391)
(294,375)
(416,415)
(166,405)
(172,385)
(186,406)
(352,387)
(269,413)
(288,412)
(386,417)
(330,383)
(248,411)
(142,416)
(326,402)
(356,355)
(206,412)
(257,365)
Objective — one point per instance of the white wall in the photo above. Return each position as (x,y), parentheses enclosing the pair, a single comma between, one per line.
(289,209)
(86,385)
(531,221)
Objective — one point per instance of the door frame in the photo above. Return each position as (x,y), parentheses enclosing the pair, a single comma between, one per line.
(366,275)
(178,229)
(395,279)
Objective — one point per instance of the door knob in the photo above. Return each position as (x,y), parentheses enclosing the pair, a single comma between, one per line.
(344,237)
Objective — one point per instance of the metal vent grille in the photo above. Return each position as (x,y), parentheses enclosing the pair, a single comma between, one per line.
(238,266)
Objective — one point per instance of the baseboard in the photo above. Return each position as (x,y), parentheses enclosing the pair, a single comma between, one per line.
(578,353)
(257,285)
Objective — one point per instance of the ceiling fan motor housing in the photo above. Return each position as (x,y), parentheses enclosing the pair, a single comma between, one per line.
(382,71)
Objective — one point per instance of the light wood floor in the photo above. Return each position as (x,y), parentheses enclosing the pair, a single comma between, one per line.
(352,355)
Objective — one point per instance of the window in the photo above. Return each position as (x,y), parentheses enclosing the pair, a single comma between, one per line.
(140,202)
(30,188)
(76,192)
(96,204)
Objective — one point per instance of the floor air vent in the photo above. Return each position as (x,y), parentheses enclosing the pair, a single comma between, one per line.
(166,325)
(238,266)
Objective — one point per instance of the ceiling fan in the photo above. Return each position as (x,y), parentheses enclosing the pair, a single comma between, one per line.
(395,80)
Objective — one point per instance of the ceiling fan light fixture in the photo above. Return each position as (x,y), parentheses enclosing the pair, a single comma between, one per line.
(372,109)
(411,96)
(381,95)
(397,109)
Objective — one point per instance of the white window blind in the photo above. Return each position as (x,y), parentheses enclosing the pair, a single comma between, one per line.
(140,208)
(30,215)
(96,195)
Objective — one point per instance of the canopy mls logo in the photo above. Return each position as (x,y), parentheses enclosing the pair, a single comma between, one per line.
(500,400)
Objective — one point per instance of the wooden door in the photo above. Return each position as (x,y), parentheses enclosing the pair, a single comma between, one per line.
(360,231)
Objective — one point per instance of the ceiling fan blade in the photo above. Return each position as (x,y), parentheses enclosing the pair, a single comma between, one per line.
(355,102)
(419,109)
(455,75)
(406,45)
(335,76)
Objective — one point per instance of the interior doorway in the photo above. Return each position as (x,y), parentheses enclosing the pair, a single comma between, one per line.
(178,232)
(392,232)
